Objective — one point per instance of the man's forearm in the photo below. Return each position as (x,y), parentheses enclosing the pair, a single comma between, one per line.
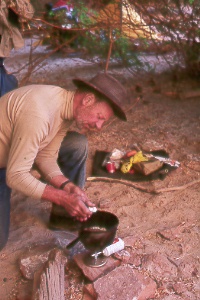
(73,203)
(54,195)
(57,181)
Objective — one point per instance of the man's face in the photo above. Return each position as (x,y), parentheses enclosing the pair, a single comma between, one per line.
(92,117)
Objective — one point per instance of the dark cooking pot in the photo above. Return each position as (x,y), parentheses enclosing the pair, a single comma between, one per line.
(98,231)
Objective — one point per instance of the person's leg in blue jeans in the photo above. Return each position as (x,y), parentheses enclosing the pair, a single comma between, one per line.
(72,161)
(5,193)
(72,157)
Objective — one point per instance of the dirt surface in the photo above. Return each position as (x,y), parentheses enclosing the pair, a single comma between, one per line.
(166,223)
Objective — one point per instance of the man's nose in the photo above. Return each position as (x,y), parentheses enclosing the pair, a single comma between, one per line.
(99,124)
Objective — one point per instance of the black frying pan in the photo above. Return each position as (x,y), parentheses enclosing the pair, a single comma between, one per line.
(97,232)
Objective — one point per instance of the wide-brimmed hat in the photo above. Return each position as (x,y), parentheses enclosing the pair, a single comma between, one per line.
(110,88)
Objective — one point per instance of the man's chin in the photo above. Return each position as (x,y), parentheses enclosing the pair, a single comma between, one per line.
(83,130)
(86,129)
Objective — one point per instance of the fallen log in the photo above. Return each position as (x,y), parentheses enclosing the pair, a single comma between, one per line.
(191,94)
(49,281)
(183,95)
(141,188)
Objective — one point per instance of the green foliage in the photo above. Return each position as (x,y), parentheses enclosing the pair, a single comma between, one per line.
(175,21)
(84,15)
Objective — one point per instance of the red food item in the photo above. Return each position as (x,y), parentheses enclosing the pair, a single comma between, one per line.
(132,171)
(110,166)
(131,153)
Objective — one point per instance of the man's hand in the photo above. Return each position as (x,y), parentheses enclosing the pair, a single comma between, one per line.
(73,199)
(74,189)
(76,207)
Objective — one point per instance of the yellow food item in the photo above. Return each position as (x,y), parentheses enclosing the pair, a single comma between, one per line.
(138,157)
(127,165)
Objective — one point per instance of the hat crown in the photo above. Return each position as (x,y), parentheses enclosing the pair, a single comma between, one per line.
(111,87)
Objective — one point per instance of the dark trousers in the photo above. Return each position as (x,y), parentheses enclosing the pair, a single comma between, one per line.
(72,157)
(72,161)
(5,193)
(8,82)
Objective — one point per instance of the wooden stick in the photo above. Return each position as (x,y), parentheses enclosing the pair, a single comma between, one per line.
(141,188)
(176,188)
(126,182)
(109,50)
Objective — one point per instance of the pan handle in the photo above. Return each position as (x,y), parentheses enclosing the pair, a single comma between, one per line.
(72,243)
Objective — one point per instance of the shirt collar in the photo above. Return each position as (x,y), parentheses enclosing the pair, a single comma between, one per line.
(68,107)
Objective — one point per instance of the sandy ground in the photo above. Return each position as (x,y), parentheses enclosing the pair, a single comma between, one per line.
(160,120)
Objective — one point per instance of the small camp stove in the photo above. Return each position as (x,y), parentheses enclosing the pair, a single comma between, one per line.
(96,234)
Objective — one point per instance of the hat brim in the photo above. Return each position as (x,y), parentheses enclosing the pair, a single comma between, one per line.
(118,111)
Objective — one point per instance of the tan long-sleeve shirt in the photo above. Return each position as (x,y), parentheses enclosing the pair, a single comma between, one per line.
(33,122)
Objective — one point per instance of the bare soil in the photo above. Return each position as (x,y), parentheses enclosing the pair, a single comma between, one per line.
(166,223)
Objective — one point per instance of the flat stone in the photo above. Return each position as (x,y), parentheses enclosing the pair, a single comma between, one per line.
(88,297)
(25,291)
(174,232)
(159,265)
(89,292)
(179,288)
(125,283)
(33,259)
(134,241)
(93,273)
(122,255)
(172,297)
(188,269)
